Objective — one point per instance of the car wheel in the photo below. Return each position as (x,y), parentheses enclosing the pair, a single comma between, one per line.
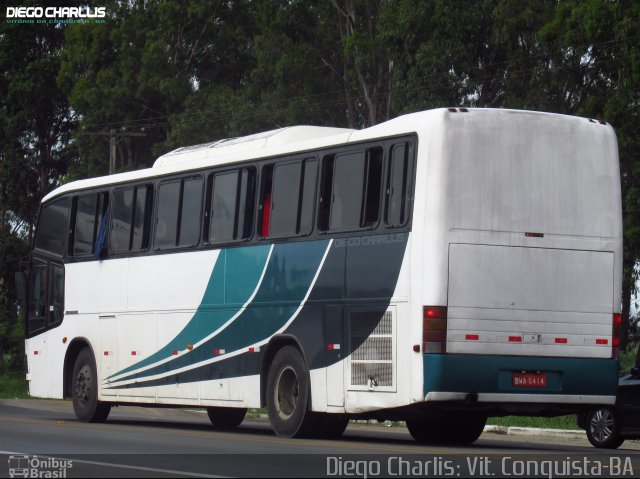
(85,390)
(226,417)
(602,428)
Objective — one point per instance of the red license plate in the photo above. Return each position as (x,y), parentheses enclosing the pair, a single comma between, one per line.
(529,380)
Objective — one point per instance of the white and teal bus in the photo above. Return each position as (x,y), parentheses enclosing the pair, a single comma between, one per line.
(438,268)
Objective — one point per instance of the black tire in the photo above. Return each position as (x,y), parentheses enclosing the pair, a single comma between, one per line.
(226,417)
(84,390)
(331,426)
(457,428)
(467,428)
(603,428)
(289,395)
(426,431)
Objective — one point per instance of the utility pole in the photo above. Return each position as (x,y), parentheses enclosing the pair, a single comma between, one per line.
(115,137)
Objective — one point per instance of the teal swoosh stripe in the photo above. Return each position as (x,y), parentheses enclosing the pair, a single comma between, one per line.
(233,280)
(289,274)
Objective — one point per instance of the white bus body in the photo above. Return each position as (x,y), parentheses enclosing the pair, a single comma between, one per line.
(483,275)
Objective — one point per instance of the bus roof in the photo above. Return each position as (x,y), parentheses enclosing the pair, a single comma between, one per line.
(288,140)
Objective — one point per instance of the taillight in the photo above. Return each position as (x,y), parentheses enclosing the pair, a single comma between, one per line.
(617,329)
(434,330)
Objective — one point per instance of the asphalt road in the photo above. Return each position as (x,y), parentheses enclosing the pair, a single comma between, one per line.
(138,442)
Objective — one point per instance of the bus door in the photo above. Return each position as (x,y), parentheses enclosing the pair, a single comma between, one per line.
(45,310)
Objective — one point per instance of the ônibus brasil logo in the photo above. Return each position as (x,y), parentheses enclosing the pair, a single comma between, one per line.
(55,14)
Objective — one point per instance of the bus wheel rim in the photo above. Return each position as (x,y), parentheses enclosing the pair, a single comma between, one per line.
(83,384)
(286,393)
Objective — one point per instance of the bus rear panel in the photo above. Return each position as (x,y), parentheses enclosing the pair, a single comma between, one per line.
(529,221)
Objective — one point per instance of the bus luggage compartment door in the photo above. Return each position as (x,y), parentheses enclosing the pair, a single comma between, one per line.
(529,301)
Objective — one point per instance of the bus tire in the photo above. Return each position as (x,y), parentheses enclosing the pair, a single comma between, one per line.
(289,394)
(331,426)
(425,431)
(467,428)
(457,428)
(603,428)
(226,417)
(84,389)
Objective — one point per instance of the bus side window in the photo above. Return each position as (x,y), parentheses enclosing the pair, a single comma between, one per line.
(89,222)
(292,198)
(231,207)
(264,209)
(37,301)
(130,219)
(53,227)
(86,212)
(350,190)
(397,184)
(179,213)
(167,220)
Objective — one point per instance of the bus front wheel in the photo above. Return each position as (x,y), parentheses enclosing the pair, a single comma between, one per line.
(288,395)
(226,417)
(85,389)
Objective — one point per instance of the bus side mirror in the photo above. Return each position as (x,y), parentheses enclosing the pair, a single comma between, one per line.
(21,286)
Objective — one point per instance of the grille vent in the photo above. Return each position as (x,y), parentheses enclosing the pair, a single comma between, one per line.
(373,356)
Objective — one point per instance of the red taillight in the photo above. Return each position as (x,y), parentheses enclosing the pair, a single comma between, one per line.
(616,330)
(434,329)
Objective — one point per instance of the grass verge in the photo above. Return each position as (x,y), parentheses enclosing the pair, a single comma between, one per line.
(560,422)
(13,387)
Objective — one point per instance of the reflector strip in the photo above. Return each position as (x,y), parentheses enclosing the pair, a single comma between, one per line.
(333,347)
(218,351)
(254,350)
(35,353)
(602,341)
(534,235)
(515,339)
(134,353)
(106,353)
(561,340)
(472,337)
(175,353)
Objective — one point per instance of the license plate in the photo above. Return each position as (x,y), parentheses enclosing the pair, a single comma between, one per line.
(529,380)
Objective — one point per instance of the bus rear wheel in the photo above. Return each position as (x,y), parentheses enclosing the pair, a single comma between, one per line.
(448,428)
(84,390)
(288,395)
(226,417)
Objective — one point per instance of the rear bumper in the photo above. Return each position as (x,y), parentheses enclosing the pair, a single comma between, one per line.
(488,379)
(438,396)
